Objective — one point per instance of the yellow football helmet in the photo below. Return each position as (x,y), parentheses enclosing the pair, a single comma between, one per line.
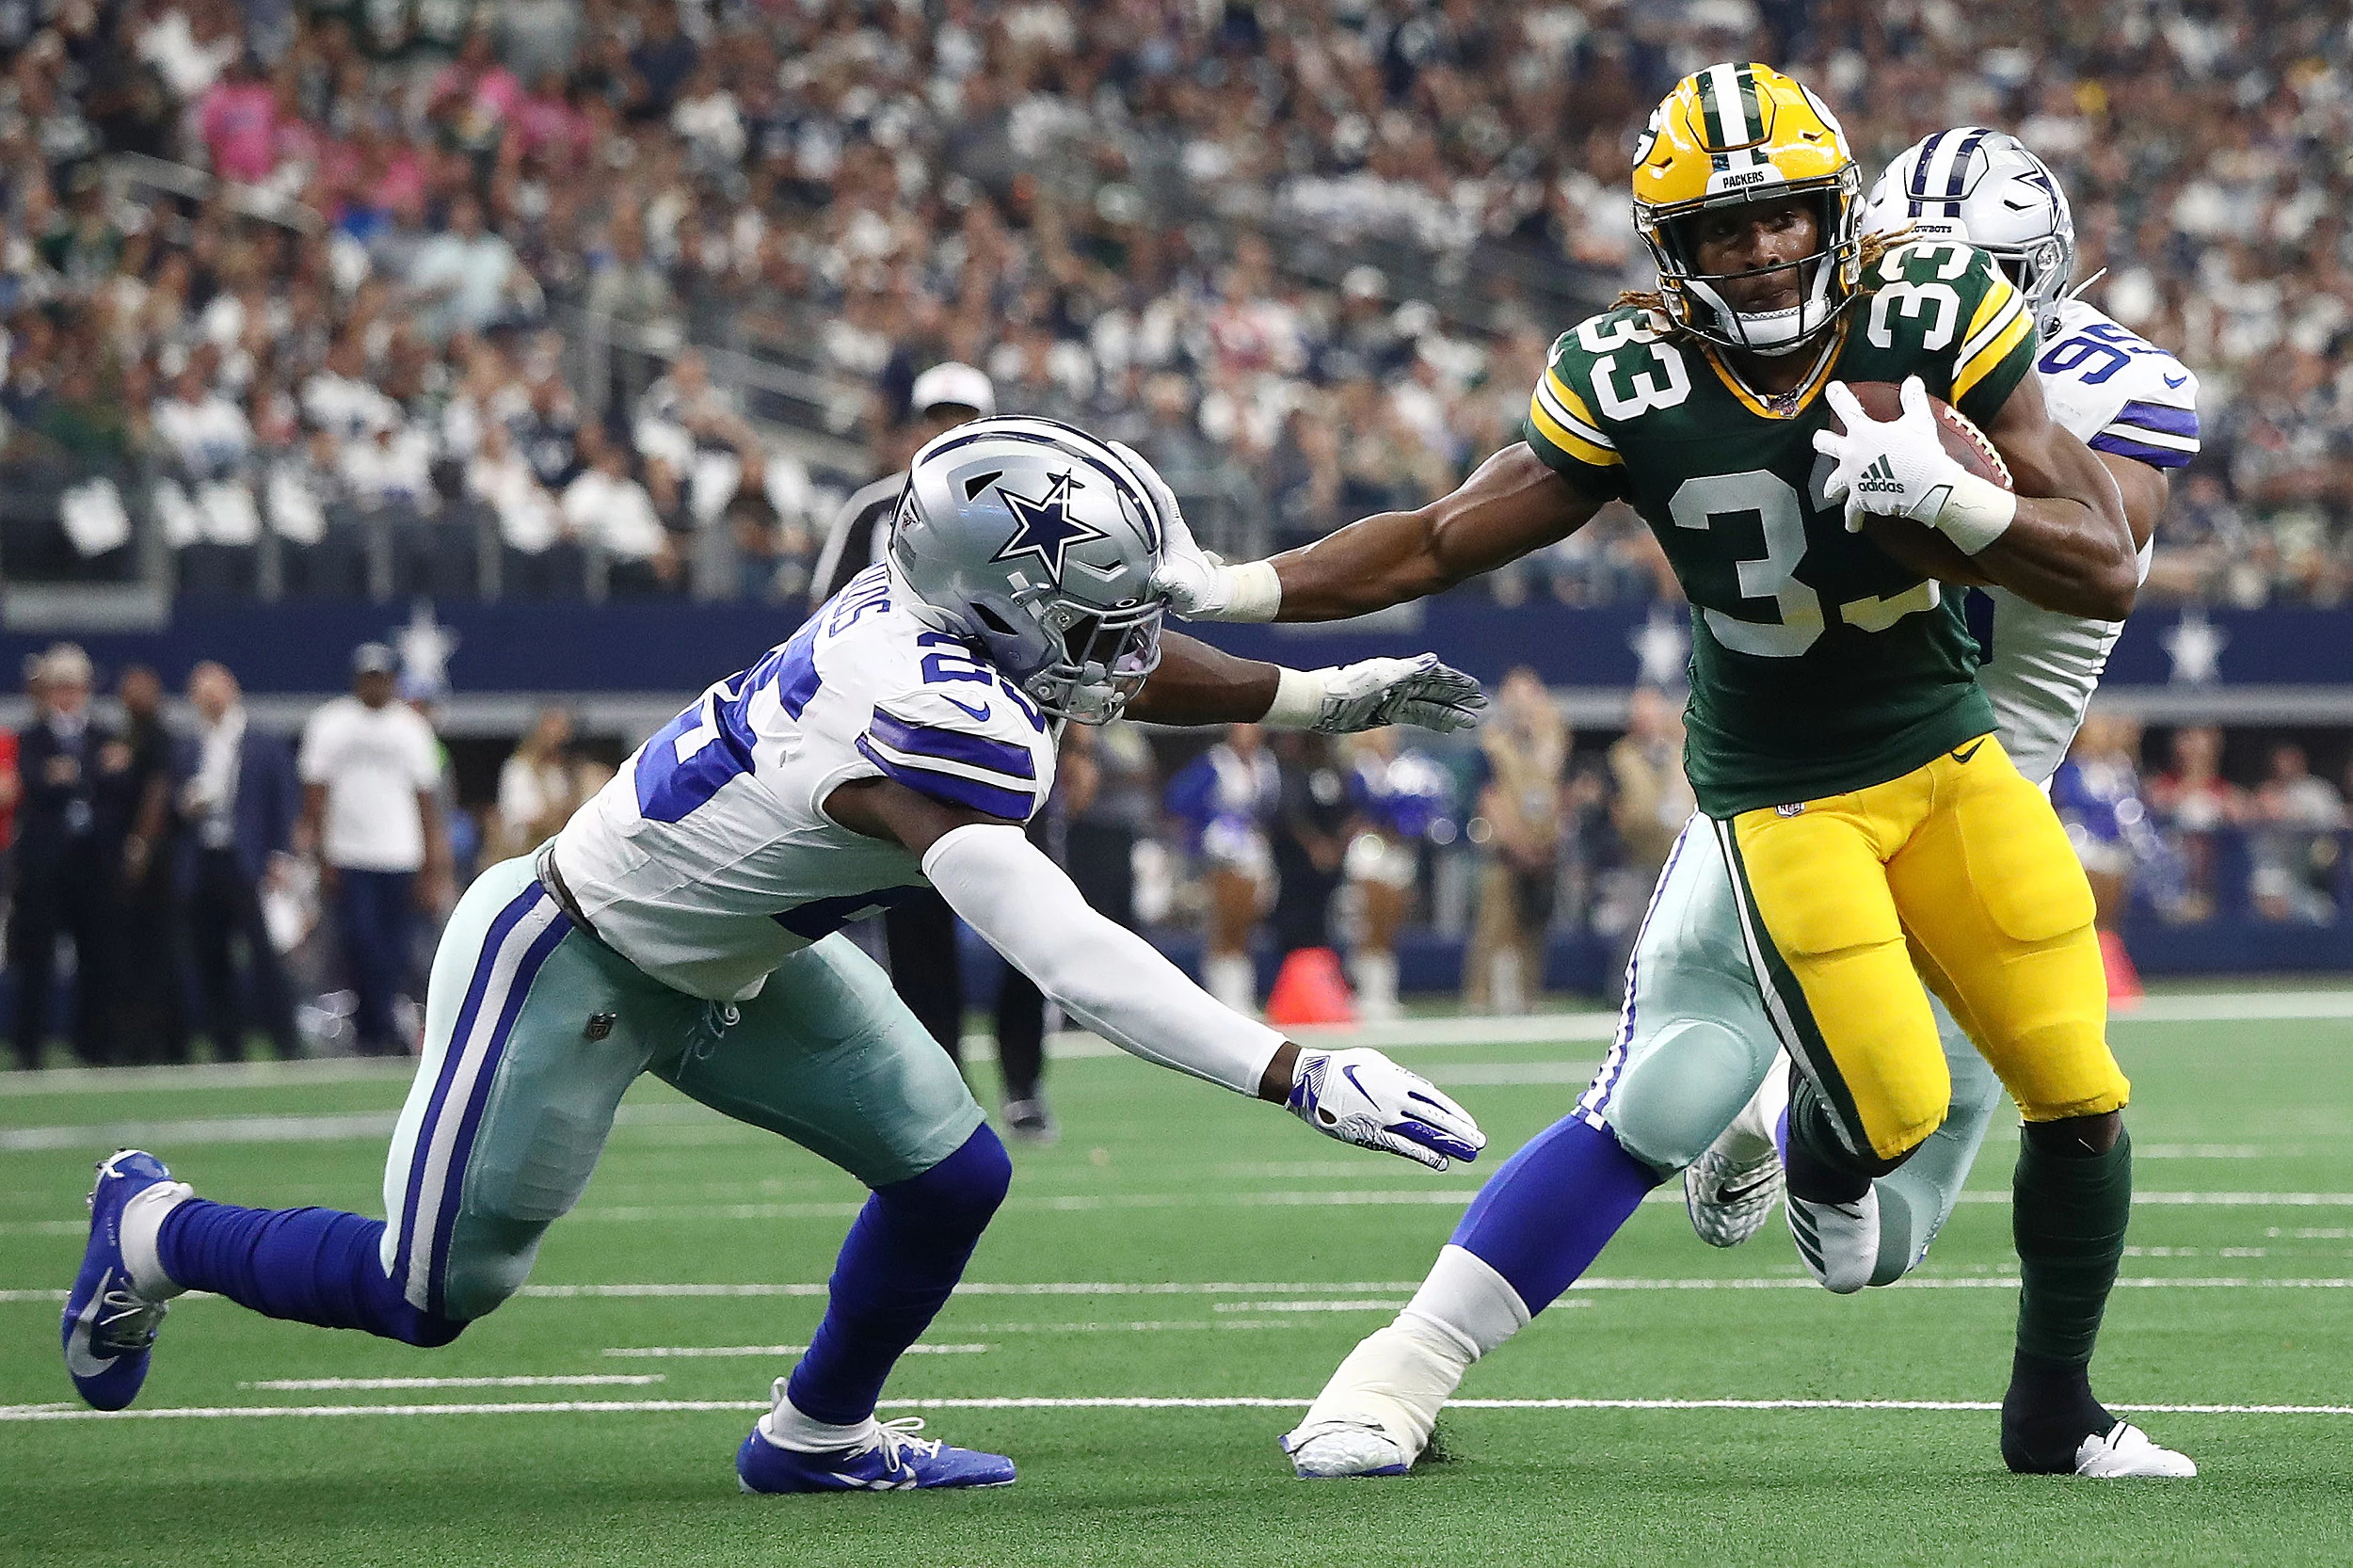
(1726,136)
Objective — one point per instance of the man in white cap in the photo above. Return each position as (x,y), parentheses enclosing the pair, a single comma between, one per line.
(62,882)
(943,398)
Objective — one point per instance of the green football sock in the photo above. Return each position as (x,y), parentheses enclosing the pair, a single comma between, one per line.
(2069,1215)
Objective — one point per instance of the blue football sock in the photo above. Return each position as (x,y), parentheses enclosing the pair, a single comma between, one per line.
(305,1265)
(1549,1209)
(902,1257)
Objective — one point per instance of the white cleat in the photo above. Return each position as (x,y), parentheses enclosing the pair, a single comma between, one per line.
(1337,1449)
(1729,1199)
(1839,1241)
(2125,1452)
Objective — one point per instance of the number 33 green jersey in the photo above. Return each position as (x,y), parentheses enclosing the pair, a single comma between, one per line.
(1818,665)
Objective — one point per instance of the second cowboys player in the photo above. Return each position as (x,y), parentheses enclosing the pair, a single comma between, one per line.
(1843,754)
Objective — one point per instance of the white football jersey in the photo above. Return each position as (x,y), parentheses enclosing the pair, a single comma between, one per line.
(709,859)
(2119,393)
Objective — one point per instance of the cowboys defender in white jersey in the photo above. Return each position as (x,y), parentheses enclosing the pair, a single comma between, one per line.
(686,923)
(1696,1080)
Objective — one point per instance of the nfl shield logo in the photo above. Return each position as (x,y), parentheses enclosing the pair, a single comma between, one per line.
(1796,808)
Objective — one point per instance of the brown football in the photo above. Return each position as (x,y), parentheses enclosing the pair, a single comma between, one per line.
(1913,544)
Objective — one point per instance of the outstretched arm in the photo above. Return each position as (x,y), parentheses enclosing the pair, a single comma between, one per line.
(1119,986)
(1512,504)
(1196,684)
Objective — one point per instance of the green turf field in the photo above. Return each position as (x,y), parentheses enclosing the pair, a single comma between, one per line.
(1184,1247)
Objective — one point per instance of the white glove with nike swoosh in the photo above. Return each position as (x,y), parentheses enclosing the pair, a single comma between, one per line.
(1362,1097)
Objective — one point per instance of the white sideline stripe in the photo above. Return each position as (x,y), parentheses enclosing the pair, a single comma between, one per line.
(685,1353)
(1368,1303)
(1188,1325)
(353,1126)
(1529,1029)
(1779,1282)
(594,1407)
(589,1380)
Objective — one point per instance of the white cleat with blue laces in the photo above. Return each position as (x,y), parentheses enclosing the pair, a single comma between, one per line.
(110,1325)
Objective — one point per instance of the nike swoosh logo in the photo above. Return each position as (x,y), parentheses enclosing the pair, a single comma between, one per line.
(1734,1194)
(1963,756)
(1349,1074)
(2177,380)
(78,1359)
(979,714)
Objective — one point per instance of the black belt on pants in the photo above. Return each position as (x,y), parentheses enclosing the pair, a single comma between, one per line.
(553,880)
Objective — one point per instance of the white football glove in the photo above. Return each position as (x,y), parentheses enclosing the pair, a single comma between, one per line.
(1362,1097)
(1419,691)
(1898,468)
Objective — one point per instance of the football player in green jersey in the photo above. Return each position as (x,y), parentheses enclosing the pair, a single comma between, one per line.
(1874,828)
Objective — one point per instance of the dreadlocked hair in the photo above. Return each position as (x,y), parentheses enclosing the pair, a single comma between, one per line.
(1868,250)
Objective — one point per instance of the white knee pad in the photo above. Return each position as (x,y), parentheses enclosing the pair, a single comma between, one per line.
(1684,1090)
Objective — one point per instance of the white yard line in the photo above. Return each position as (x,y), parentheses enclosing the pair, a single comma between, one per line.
(593,1407)
(591,1380)
(689,1352)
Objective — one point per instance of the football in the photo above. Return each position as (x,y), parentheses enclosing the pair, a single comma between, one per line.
(1915,545)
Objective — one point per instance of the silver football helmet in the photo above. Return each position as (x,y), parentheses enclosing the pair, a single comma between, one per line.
(1984,188)
(1037,542)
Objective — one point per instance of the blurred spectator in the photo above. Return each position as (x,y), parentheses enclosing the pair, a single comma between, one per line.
(1224,798)
(1112,816)
(1309,840)
(63,883)
(539,786)
(1399,796)
(607,506)
(2297,850)
(369,768)
(2192,799)
(137,833)
(1650,801)
(1521,829)
(240,803)
(465,278)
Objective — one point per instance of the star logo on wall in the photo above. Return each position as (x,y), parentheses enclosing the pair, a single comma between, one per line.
(1662,647)
(1045,528)
(2196,645)
(425,645)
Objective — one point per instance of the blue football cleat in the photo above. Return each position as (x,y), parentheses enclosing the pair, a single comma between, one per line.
(896,1461)
(109,1328)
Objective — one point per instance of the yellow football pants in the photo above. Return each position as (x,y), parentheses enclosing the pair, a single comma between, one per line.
(1962,867)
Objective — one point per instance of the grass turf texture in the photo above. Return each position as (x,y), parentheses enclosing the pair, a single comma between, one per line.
(1163,1182)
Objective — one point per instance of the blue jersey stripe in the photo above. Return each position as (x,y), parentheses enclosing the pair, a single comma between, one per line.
(2172,420)
(2156,456)
(952,745)
(954,789)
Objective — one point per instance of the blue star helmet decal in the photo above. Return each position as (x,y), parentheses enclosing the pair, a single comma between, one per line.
(1045,528)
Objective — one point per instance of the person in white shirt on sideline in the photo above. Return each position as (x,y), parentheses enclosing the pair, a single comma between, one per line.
(369,766)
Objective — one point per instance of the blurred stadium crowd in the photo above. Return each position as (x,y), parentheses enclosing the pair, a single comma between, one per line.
(390,296)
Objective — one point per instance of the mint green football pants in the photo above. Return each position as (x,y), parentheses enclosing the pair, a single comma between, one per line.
(533,1031)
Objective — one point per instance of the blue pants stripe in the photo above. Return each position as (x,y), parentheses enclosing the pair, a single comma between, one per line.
(453,1186)
(452,1053)
(1595,1100)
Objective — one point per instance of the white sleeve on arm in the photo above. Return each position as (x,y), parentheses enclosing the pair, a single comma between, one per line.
(1104,975)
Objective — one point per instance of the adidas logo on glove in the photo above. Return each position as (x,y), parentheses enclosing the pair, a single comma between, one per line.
(1879,477)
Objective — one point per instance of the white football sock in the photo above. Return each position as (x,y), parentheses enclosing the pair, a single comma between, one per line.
(142,1219)
(1750,1134)
(787,1428)
(1232,978)
(1465,1298)
(1375,974)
